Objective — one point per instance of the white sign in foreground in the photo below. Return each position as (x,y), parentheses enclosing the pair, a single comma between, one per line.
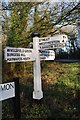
(18,54)
(47,54)
(7,90)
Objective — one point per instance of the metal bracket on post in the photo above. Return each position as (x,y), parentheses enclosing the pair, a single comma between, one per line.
(37,93)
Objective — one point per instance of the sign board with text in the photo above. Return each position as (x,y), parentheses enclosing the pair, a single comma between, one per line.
(47,54)
(18,54)
(7,90)
(51,45)
(57,41)
(61,38)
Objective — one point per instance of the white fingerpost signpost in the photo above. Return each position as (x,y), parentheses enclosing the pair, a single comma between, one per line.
(42,50)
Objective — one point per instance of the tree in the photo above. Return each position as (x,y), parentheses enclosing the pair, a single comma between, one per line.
(19,25)
(42,17)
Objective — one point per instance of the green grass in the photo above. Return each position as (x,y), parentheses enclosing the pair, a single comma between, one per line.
(61,87)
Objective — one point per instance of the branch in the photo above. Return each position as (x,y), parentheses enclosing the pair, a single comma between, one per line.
(67,14)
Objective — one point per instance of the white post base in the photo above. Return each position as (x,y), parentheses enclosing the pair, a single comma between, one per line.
(37,95)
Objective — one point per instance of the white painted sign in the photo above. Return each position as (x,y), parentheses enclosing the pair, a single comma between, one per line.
(7,90)
(61,38)
(47,54)
(57,41)
(51,45)
(18,54)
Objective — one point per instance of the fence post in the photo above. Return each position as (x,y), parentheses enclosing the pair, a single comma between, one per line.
(16,100)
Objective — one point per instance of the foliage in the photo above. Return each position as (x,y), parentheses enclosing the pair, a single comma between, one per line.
(28,17)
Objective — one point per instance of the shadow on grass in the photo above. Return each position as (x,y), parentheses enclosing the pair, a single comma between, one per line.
(59,101)
(62,101)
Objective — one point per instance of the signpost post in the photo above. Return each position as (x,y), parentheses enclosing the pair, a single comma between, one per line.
(37,93)
(0,77)
(16,100)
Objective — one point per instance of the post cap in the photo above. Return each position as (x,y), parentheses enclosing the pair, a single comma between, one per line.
(35,34)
